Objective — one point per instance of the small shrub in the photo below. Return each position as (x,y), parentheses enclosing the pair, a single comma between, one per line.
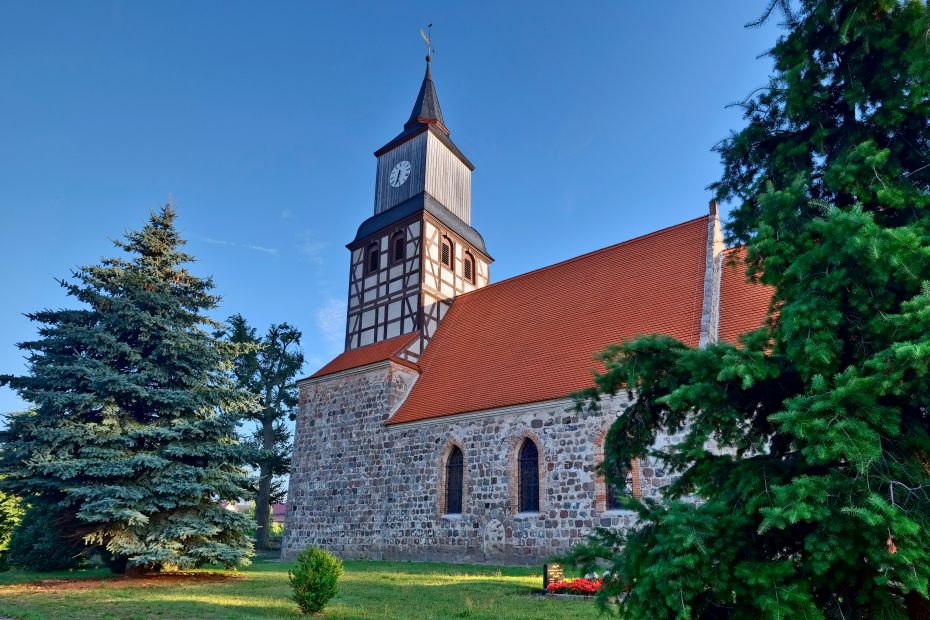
(38,542)
(314,579)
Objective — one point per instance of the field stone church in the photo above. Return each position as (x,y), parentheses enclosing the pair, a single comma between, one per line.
(445,431)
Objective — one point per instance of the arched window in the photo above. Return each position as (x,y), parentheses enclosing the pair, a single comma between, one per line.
(446,252)
(373,260)
(399,247)
(629,487)
(454,467)
(468,267)
(615,492)
(529,477)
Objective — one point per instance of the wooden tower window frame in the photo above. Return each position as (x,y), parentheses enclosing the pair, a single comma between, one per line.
(468,267)
(446,252)
(398,247)
(372,258)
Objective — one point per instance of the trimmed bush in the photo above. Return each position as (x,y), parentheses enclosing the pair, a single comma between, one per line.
(314,579)
(38,542)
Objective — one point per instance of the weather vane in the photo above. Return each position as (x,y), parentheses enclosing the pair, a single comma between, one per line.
(428,38)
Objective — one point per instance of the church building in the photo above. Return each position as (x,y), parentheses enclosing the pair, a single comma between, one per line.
(446,430)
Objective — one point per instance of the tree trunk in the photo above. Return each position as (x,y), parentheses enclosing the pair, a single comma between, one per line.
(918,608)
(262,502)
(134,571)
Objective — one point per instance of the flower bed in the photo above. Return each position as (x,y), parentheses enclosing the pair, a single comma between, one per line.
(581,586)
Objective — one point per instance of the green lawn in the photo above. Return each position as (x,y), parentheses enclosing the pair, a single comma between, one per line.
(381,590)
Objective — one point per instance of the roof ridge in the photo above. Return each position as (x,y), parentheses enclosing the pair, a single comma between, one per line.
(579,257)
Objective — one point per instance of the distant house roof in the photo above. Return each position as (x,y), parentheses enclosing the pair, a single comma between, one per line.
(532,338)
(369,354)
(743,305)
(278,512)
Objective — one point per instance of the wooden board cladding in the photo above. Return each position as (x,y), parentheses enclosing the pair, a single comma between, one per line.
(448,180)
(414,151)
(433,169)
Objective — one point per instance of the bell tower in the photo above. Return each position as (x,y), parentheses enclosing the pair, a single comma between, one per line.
(418,251)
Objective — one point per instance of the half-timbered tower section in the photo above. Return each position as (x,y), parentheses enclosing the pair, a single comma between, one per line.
(418,250)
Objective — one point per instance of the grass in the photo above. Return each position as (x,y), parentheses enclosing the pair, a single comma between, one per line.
(382,590)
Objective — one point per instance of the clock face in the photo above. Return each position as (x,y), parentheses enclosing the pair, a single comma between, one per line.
(399,173)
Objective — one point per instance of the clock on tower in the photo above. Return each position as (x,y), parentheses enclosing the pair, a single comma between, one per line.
(418,251)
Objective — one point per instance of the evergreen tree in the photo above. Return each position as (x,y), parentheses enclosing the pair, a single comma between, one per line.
(11,513)
(46,539)
(133,431)
(267,367)
(817,502)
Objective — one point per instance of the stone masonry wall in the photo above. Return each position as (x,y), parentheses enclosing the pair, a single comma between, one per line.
(362,489)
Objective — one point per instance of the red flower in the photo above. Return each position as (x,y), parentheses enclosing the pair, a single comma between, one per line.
(582,586)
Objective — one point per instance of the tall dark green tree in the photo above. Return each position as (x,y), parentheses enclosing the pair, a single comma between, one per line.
(134,420)
(267,367)
(817,502)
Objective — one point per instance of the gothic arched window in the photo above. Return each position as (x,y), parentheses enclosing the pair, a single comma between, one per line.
(629,487)
(615,491)
(454,472)
(529,477)
(446,252)
(399,246)
(373,260)
(468,267)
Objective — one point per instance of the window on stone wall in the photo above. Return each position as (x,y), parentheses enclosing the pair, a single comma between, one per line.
(399,245)
(628,489)
(373,260)
(614,493)
(529,477)
(468,268)
(446,255)
(454,472)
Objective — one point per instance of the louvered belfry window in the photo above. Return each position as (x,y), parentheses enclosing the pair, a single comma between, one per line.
(529,477)
(373,258)
(446,252)
(468,269)
(454,467)
(400,247)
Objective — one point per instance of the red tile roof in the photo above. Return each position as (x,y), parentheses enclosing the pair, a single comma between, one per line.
(533,337)
(369,354)
(743,305)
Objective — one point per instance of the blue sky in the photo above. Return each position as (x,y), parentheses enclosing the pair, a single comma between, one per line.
(589,123)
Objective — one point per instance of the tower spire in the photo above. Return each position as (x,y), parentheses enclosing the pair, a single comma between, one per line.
(426,110)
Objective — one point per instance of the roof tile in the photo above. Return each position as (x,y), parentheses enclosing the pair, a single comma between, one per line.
(533,337)
(743,304)
(369,354)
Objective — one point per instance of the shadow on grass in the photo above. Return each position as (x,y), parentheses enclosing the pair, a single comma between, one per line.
(368,590)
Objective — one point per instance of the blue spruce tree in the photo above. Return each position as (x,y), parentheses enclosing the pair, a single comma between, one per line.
(132,435)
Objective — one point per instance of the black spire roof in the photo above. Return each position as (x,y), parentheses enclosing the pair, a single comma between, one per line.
(426,110)
(426,116)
